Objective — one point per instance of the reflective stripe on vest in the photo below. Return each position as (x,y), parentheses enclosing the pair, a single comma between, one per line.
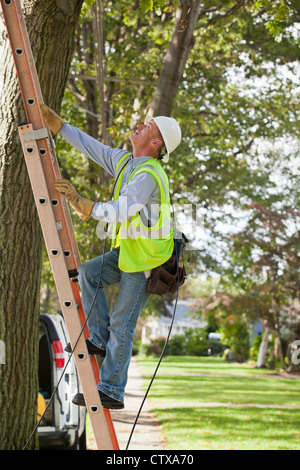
(113,229)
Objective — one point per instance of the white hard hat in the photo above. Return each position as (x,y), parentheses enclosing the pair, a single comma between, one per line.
(170,131)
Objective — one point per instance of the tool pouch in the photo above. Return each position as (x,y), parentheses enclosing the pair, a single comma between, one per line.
(168,277)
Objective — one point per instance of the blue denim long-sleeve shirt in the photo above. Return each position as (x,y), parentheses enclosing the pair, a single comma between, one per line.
(140,194)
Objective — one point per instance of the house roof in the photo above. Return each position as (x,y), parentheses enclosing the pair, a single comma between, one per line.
(182,316)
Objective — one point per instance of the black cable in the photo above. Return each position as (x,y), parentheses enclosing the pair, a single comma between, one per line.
(159,362)
(167,339)
(87,317)
(71,353)
(82,329)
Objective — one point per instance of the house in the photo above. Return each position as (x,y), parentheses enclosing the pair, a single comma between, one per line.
(155,327)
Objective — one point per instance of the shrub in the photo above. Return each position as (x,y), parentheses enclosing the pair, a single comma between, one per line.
(176,346)
(235,334)
(194,342)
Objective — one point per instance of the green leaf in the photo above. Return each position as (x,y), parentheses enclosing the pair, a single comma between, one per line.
(146,5)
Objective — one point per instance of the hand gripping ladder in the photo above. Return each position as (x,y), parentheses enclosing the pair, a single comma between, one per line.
(43,170)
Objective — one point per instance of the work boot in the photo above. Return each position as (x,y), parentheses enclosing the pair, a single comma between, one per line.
(92,349)
(107,402)
(53,120)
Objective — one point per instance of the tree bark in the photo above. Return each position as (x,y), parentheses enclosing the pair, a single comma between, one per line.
(262,353)
(175,59)
(182,41)
(51,27)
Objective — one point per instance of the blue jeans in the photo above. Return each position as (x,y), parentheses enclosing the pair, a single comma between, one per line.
(113,332)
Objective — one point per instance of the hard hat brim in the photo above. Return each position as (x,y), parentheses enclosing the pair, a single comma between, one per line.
(165,158)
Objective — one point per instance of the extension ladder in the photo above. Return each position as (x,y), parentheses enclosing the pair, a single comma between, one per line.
(42,165)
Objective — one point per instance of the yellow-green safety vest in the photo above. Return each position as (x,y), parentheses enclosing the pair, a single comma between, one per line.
(141,247)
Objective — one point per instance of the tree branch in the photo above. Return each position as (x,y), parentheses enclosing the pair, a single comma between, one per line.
(230,12)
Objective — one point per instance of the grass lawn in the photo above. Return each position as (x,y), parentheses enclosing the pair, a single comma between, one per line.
(178,395)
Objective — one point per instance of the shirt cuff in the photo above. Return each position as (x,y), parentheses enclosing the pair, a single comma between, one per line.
(97,212)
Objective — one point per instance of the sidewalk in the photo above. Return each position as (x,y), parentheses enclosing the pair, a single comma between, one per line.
(147,433)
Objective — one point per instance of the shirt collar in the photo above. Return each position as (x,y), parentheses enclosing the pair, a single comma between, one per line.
(138,160)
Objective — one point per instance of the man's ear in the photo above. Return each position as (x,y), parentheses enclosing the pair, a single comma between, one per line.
(157,142)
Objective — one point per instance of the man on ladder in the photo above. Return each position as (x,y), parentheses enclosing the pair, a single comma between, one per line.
(141,239)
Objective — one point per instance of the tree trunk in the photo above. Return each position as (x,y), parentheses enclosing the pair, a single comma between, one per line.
(262,353)
(51,27)
(175,59)
(282,348)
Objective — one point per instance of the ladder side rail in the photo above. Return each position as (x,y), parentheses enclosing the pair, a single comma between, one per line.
(65,292)
(32,96)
